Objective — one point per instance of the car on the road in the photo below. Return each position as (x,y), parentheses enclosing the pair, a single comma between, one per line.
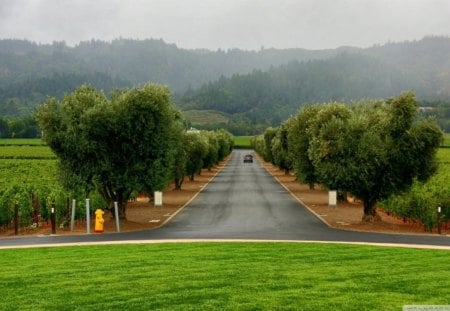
(248,158)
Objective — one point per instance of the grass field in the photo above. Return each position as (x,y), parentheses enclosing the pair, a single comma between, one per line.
(26,152)
(242,142)
(21,141)
(446,140)
(225,276)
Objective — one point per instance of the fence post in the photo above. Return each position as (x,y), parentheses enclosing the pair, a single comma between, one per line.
(88,217)
(116,214)
(53,219)
(72,217)
(16,218)
(439,214)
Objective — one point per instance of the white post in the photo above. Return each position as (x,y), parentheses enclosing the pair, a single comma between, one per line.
(158,198)
(72,218)
(88,217)
(332,198)
(116,213)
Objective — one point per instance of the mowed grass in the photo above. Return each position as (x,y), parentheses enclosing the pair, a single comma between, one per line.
(224,276)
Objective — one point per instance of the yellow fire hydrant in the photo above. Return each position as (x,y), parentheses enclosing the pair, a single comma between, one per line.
(99,220)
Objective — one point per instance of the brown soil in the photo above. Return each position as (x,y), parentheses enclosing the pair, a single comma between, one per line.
(142,214)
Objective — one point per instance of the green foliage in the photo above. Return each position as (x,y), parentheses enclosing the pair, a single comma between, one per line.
(200,149)
(421,201)
(268,98)
(196,146)
(117,146)
(226,143)
(377,153)
(33,185)
(25,127)
(372,150)
(269,135)
(212,155)
(247,90)
(279,147)
(299,139)
(225,276)
(258,144)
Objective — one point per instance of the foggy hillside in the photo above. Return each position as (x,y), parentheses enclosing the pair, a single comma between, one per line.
(29,72)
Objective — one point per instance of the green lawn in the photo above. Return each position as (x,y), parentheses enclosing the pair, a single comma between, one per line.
(225,276)
(243,142)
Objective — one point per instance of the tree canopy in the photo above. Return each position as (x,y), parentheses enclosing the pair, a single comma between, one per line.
(371,150)
(116,146)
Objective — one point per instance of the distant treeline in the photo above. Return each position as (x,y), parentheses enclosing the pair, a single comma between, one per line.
(255,89)
(25,127)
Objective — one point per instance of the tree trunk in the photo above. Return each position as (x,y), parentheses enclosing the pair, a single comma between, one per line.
(311,186)
(370,212)
(178,182)
(122,200)
(120,196)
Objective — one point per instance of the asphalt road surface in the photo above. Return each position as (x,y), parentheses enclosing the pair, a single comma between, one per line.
(242,202)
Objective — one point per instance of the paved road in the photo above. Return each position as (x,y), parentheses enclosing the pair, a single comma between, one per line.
(242,202)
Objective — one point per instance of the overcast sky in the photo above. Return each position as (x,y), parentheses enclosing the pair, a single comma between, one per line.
(213,24)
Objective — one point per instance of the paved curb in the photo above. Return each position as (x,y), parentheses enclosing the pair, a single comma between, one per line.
(134,242)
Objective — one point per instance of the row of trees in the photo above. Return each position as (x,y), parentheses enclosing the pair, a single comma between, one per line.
(371,150)
(26,127)
(133,142)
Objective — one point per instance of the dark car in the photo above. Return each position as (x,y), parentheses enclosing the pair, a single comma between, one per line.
(248,158)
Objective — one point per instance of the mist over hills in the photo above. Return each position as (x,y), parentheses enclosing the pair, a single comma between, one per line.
(264,86)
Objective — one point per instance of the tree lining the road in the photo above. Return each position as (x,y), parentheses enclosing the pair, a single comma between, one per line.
(371,150)
(129,143)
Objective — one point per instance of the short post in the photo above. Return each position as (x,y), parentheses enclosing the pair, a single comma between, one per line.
(72,217)
(16,219)
(158,199)
(332,198)
(116,214)
(439,223)
(53,219)
(88,217)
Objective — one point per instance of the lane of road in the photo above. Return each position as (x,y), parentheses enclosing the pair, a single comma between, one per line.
(243,202)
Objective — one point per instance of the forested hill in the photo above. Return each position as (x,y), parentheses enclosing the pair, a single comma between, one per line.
(29,71)
(268,98)
(252,84)
(263,99)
